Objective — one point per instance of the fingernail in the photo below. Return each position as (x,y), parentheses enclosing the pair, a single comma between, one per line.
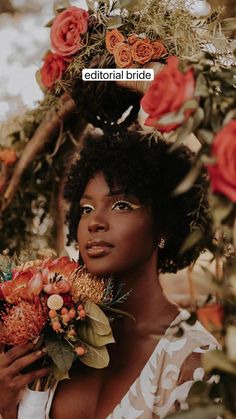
(44,350)
(35,340)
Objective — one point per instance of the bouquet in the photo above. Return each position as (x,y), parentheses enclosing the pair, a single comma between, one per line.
(59,302)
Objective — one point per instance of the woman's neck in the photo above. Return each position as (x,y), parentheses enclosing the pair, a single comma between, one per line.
(146,302)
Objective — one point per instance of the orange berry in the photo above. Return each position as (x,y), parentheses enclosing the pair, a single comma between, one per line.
(65,318)
(52,314)
(80,307)
(72,313)
(56,326)
(64,310)
(80,350)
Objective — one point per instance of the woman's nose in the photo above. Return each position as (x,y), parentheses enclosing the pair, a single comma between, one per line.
(98,223)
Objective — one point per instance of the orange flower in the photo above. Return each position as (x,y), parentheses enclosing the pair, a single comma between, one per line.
(22,323)
(8,157)
(132,38)
(22,286)
(159,50)
(57,275)
(211,316)
(112,38)
(122,55)
(142,51)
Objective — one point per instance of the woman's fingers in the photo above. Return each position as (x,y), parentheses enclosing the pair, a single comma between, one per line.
(7,358)
(23,380)
(26,360)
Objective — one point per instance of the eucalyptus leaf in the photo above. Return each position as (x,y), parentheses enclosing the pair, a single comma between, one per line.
(61,353)
(191,240)
(96,357)
(201,89)
(99,321)
(228,25)
(58,374)
(178,117)
(114,22)
(217,360)
(189,179)
(60,5)
(87,334)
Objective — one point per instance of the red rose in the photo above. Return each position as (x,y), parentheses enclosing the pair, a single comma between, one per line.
(66,30)
(223,172)
(52,69)
(167,94)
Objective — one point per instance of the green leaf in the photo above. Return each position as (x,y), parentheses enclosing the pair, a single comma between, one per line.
(99,321)
(178,117)
(95,357)
(132,4)
(228,25)
(58,374)
(61,353)
(191,240)
(87,334)
(60,5)
(117,311)
(201,89)
(39,81)
(189,179)
(217,360)
(49,24)
(211,411)
(114,22)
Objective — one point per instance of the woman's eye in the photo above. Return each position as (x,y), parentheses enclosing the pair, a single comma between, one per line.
(122,206)
(86,209)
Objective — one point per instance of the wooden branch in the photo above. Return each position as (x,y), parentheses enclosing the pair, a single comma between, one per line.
(43,134)
(6,7)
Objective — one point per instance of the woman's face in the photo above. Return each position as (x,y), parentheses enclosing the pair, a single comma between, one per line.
(116,233)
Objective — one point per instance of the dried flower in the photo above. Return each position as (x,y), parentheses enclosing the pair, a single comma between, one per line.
(85,286)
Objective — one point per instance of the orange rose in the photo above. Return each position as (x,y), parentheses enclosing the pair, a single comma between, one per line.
(159,50)
(132,38)
(112,38)
(66,30)
(122,55)
(142,51)
(211,316)
(223,172)
(167,93)
(8,157)
(52,69)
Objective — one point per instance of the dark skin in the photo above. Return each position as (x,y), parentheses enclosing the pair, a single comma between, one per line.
(117,234)
(12,382)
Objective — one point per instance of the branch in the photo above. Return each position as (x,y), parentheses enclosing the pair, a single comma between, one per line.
(43,134)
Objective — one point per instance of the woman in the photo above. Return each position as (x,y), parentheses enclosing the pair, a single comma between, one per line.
(128,224)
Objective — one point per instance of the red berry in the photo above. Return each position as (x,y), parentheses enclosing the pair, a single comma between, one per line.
(64,310)
(52,314)
(56,326)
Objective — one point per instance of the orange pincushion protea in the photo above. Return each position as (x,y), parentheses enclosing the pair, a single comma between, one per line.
(23,322)
(86,287)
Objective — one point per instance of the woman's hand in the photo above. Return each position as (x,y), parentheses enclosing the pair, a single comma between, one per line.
(12,382)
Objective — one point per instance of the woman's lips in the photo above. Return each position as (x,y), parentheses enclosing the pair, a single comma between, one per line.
(98,248)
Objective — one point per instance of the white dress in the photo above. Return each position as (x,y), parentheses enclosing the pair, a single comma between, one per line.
(163,384)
